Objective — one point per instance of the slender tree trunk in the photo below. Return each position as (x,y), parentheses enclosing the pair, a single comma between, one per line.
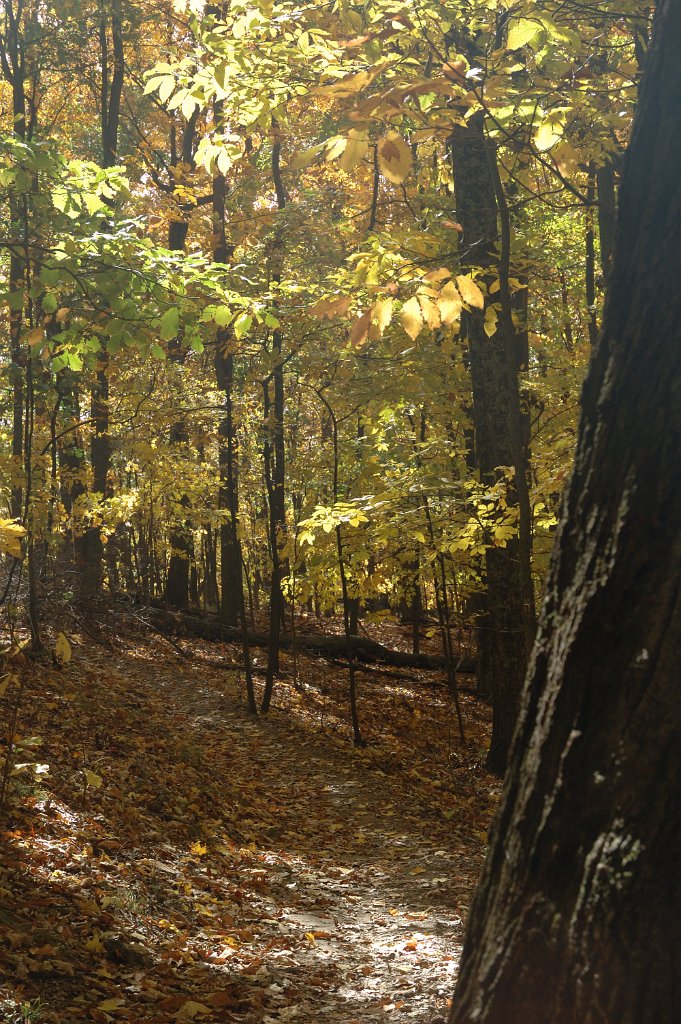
(181,546)
(90,549)
(498,434)
(13,63)
(231,584)
(607,214)
(232,602)
(274,452)
(590,259)
(576,919)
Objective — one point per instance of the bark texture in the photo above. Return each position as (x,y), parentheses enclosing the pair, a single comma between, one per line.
(576,918)
(497,421)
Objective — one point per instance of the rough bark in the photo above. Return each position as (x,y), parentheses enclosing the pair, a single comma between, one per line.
(177,583)
(590,259)
(13,64)
(496,418)
(274,453)
(89,547)
(576,918)
(231,581)
(607,214)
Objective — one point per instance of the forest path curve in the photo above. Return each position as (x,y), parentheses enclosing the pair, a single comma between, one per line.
(257,869)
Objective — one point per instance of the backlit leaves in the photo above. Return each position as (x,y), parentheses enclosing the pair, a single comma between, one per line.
(394,158)
(355,149)
(11,536)
(411,317)
(470,292)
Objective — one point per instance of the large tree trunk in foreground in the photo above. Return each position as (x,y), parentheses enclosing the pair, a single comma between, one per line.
(577,918)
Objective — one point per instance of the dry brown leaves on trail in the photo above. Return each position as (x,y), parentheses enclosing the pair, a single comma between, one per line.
(185,862)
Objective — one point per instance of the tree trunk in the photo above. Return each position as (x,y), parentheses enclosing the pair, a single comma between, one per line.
(607,214)
(231,583)
(181,546)
(576,920)
(13,63)
(89,547)
(590,259)
(496,418)
(208,627)
(274,453)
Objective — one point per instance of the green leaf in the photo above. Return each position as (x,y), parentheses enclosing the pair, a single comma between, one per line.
(170,324)
(523,32)
(166,88)
(242,325)
(222,315)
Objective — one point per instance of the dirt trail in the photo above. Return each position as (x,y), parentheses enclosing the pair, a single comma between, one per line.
(238,869)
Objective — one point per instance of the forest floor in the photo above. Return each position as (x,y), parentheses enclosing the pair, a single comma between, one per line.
(184,861)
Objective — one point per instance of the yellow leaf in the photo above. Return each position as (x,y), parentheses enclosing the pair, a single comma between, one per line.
(310,938)
(469,291)
(91,779)
(191,1009)
(304,157)
(95,944)
(351,84)
(198,849)
(335,146)
(332,306)
(11,535)
(381,315)
(110,1004)
(355,150)
(360,329)
(490,321)
(449,303)
(547,135)
(62,650)
(522,32)
(431,313)
(411,319)
(567,158)
(441,274)
(394,158)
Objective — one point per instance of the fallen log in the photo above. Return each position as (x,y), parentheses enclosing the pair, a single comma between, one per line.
(209,627)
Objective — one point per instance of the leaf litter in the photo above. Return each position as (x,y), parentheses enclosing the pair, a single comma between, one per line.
(183,861)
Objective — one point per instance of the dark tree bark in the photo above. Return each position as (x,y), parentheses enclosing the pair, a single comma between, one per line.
(89,547)
(274,453)
(231,582)
(497,420)
(607,214)
(13,65)
(590,259)
(576,920)
(177,583)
